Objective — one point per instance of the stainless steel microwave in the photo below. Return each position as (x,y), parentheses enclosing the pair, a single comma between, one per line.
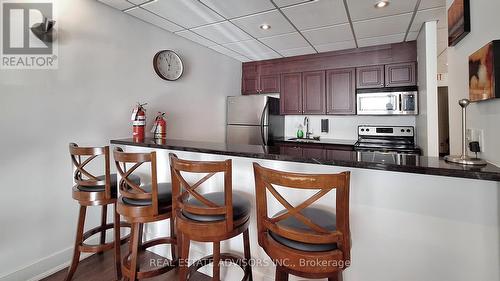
(387,103)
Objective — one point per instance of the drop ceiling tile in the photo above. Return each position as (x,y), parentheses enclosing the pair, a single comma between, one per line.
(285,41)
(283,3)
(267,56)
(316,14)
(195,38)
(185,13)
(423,16)
(335,46)
(252,23)
(382,26)
(249,48)
(427,4)
(329,34)
(229,53)
(117,4)
(222,32)
(297,51)
(237,8)
(154,19)
(365,9)
(381,40)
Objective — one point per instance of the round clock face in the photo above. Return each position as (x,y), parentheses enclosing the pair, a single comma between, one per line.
(168,65)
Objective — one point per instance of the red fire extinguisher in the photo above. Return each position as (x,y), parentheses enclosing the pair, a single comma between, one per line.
(160,126)
(139,122)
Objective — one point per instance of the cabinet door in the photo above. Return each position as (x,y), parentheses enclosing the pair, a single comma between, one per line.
(291,93)
(314,152)
(270,83)
(340,155)
(250,79)
(313,92)
(370,77)
(401,74)
(291,150)
(341,91)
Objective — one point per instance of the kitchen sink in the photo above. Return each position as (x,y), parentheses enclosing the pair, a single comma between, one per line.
(304,139)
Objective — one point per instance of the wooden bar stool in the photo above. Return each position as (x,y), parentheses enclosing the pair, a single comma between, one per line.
(211,217)
(140,204)
(92,190)
(303,240)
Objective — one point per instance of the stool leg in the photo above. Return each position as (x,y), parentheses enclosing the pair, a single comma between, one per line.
(216,261)
(281,275)
(184,262)
(78,242)
(116,229)
(104,217)
(174,248)
(134,265)
(141,235)
(337,277)
(246,249)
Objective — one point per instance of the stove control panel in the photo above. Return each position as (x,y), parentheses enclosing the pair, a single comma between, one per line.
(386,131)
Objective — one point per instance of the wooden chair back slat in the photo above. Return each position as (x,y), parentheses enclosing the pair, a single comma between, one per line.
(181,189)
(265,179)
(81,157)
(127,187)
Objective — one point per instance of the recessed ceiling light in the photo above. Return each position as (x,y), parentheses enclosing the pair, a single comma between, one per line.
(265,26)
(382,4)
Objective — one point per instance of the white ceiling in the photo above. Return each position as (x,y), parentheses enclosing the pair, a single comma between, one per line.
(298,27)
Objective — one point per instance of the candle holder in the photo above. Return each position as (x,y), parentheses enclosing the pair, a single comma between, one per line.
(464,159)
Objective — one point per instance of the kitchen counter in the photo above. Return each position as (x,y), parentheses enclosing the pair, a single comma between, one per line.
(324,141)
(342,158)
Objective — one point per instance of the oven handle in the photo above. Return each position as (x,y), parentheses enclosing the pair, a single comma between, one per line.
(400,102)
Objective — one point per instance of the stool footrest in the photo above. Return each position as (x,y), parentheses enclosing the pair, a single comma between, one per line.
(224,257)
(154,272)
(86,248)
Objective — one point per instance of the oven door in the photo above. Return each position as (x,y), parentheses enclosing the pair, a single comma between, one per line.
(378,103)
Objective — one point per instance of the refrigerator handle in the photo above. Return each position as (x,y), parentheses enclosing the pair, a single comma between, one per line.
(262,117)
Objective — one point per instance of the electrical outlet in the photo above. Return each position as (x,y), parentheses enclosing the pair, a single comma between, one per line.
(476,135)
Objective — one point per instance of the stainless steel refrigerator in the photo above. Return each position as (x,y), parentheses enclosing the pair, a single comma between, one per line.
(254,120)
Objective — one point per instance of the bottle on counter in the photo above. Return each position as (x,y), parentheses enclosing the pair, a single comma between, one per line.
(300,132)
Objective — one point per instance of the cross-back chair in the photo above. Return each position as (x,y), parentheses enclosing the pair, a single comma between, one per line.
(303,240)
(140,204)
(90,189)
(208,217)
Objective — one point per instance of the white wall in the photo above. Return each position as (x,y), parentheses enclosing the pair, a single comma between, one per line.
(484,115)
(427,120)
(342,127)
(105,67)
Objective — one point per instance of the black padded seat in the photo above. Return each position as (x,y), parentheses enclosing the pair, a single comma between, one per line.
(241,207)
(113,180)
(321,217)
(164,196)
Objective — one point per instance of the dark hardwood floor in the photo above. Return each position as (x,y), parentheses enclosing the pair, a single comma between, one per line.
(100,268)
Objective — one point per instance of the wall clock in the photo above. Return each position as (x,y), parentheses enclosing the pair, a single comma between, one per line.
(168,65)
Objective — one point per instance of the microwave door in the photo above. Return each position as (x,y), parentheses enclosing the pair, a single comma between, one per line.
(377,104)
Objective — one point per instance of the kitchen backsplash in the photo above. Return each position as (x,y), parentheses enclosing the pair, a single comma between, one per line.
(342,127)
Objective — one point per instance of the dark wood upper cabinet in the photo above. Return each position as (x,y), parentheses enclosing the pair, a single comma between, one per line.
(401,74)
(313,92)
(370,77)
(341,91)
(291,93)
(270,83)
(254,81)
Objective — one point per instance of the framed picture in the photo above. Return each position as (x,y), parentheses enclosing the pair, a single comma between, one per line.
(484,72)
(458,21)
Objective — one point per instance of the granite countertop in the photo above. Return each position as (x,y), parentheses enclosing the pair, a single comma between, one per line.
(364,160)
(320,141)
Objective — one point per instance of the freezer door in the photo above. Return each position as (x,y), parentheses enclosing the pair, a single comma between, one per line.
(245,110)
(246,134)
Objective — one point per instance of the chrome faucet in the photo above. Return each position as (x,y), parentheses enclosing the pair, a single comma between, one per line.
(306,123)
